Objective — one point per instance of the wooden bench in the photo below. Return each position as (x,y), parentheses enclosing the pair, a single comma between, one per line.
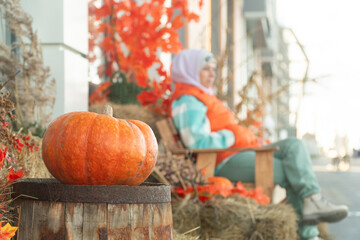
(206,158)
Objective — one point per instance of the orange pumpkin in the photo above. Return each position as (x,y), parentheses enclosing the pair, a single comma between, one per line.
(84,148)
(221,182)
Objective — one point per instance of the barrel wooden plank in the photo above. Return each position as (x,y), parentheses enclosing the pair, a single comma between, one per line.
(25,219)
(95,221)
(40,209)
(49,220)
(139,221)
(264,167)
(119,221)
(155,218)
(161,227)
(167,220)
(55,211)
(74,220)
(206,161)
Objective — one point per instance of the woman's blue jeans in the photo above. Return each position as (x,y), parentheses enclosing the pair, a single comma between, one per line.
(292,171)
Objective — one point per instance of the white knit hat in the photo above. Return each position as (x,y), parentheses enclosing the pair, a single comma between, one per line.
(206,57)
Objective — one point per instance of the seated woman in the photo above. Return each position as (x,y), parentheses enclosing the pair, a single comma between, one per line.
(203,121)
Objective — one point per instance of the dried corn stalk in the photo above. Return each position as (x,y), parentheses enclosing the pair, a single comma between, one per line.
(22,64)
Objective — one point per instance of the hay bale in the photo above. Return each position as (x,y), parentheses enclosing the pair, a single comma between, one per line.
(236,217)
(225,219)
(133,112)
(33,162)
(178,236)
(186,216)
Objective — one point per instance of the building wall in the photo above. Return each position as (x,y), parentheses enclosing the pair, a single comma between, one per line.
(62,28)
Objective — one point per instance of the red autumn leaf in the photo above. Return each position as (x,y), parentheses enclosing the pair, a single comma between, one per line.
(2,156)
(205,192)
(6,124)
(104,27)
(146,98)
(12,176)
(109,71)
(103,11)
(108,44)
(258,195)
(182,192)
(203,198)
(239,188)
(160,70)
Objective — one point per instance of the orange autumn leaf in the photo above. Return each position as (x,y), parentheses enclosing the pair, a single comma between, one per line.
(179,3)
(240,189)
(124,4)
(222,186)
(130,37)
(101,94)
(204,171)
(177,23)
(193,16)
(169,12)
(201,3)
(157,13)
(7,232)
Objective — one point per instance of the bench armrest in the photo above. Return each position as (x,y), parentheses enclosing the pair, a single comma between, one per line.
(214,150)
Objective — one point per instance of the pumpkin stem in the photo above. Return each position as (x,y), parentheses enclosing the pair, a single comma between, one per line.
(107,110)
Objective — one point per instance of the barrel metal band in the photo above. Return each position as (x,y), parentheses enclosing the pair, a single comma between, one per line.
(54,191)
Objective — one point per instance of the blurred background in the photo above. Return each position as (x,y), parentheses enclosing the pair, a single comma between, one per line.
(287,68)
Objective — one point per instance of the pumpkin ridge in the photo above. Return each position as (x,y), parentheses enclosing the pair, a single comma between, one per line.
(86,170)
(138,170)
(135,180)
(57,139)
(129,123)
(50,137)
(142,162)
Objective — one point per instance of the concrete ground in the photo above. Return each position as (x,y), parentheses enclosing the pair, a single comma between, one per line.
(341,186)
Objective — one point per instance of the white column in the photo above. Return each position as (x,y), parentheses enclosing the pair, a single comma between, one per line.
(198,34)
(62,28)
(237,49)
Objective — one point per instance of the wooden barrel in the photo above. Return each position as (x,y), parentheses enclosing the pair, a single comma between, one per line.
(51,210)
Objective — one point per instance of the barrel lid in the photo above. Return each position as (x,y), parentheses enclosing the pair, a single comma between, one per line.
(46,189)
